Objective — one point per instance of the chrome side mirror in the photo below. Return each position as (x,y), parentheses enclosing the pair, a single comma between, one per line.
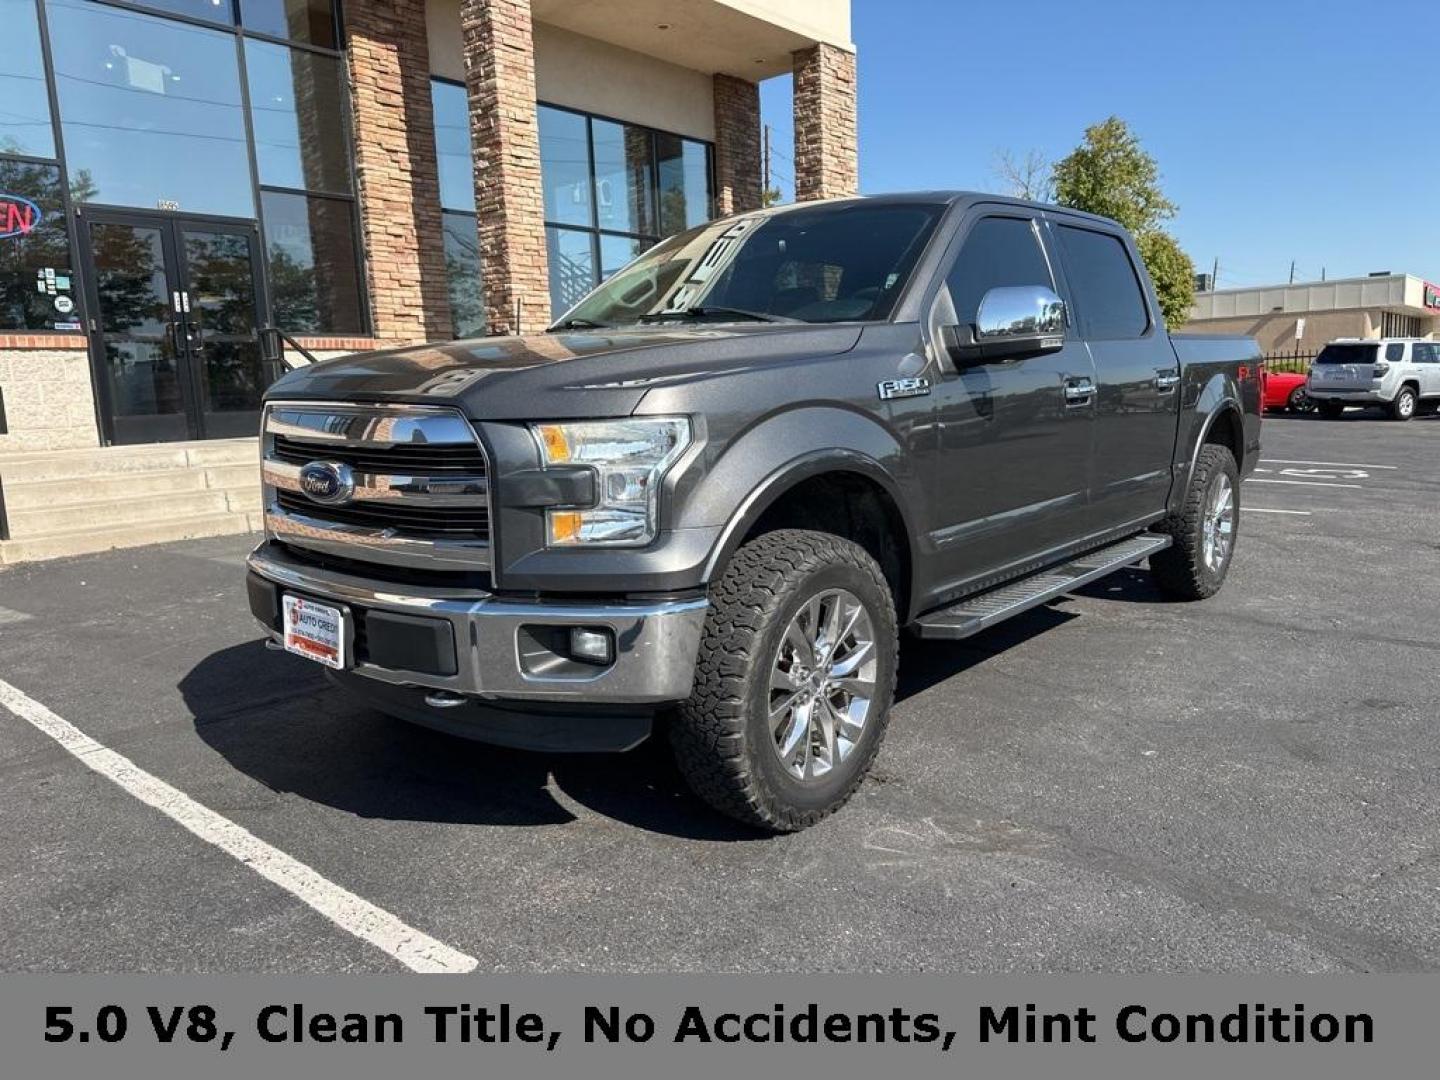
(1014,321)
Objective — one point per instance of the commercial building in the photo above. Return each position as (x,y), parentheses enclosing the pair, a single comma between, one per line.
(1302,317)
(176,175)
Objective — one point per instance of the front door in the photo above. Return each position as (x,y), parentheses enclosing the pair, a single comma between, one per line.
(176,310)
(1011,476)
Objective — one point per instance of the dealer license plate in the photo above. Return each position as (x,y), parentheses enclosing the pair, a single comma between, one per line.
(315,631)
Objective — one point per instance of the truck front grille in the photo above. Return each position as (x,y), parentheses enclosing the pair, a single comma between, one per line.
(416,489)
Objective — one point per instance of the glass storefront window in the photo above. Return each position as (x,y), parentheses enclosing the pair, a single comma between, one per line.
(310,250)
(685,196)
(462,272)
(452,146)
(624,184)
(565,166)
(297,109)
(37,289)
(25,115)
(310,21)
(572,266)
(142,100)
(218,11)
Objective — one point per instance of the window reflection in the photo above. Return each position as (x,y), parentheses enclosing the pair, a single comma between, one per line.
(142,99)
(565,166)
(297,108)
(452,146)
(624,186)
(25,113)
(310,250)
(572,267)
(37,289)
(462,272)
(310,21)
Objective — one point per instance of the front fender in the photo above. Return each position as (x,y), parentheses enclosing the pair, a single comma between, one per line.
(771,457)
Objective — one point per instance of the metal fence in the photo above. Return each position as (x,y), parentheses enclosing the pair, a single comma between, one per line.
(1298,362)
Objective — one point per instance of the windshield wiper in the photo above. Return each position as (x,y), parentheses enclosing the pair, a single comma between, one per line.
(579,323)
(707,311)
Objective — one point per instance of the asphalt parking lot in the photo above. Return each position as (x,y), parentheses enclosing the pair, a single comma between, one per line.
(1112,783)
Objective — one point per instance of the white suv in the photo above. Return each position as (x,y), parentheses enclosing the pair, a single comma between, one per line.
(1397,373)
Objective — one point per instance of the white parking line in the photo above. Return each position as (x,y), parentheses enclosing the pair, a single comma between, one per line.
(1326,464)
(10,615)
(1265,510)
(1297,483)
(417,951)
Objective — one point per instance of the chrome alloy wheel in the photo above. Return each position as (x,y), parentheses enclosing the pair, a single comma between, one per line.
(822,684)
(1219,524)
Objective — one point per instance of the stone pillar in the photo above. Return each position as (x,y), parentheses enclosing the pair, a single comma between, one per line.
(737,145)
(505,135)
(396,170)
(826,144)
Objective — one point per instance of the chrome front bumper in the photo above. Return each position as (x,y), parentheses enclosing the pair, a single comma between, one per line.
(656,643)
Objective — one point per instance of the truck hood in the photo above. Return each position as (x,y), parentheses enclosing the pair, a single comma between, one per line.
(578,374)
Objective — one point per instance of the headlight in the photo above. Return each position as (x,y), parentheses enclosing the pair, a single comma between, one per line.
(630,458)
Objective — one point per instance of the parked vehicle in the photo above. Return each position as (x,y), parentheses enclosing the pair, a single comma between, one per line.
(1402,375)
(1285,391)
(716,490)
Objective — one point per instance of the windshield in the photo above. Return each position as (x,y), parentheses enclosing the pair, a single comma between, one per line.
(815,265)
(1347,354)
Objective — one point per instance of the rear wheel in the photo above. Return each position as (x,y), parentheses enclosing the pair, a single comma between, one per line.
(794,681)
(1300,401)
(1403,407)
(1204,529)
(1331,410)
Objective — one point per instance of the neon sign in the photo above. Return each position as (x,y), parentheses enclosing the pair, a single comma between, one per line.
(18,216)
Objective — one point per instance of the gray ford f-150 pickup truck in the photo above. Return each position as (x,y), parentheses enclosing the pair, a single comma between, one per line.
(718,488)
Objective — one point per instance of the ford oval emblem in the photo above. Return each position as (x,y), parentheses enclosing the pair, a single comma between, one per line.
(328,482)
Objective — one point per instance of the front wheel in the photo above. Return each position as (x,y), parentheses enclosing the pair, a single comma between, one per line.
(794,681)
(1204,529)
(1300,401)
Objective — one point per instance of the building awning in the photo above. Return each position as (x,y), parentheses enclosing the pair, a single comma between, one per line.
(751,39)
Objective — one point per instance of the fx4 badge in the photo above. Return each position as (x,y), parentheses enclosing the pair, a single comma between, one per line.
(898,388)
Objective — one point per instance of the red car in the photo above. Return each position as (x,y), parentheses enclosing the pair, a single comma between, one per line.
(1284,390)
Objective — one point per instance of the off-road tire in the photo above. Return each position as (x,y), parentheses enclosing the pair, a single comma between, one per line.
(1404,405)
(1331,410)
(1180,569)
(721,736)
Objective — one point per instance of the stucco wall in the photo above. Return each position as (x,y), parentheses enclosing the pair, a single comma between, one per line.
(49,404)
(1276,331)
(591,75)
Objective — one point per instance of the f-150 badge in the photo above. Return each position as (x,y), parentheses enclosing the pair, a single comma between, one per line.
(898,388)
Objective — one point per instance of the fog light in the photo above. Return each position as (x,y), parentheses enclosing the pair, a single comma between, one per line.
(592,646)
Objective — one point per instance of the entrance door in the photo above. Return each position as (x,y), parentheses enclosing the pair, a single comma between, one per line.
(176,312)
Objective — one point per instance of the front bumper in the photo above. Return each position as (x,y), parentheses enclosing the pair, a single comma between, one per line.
(495,638)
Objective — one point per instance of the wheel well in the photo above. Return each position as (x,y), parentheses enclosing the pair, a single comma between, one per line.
(855,507)
(1227,431)
(1412,384)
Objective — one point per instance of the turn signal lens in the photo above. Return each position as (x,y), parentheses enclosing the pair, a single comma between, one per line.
(557,446)
(565,526)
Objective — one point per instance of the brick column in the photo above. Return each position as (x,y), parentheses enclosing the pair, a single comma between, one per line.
(396,169)
(737,145)
(505,136)
(826,156)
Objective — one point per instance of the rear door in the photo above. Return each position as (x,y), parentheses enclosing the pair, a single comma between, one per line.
(1137,405)
(1010,473)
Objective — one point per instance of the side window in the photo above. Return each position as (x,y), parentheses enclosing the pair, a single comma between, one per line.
(999,251)
(1426,353)
(1103,282)
(1395,352)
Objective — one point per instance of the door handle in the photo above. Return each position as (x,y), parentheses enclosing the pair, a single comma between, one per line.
(1078,391)
(1166,379)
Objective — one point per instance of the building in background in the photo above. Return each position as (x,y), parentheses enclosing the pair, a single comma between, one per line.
(177,174)
(1303,317)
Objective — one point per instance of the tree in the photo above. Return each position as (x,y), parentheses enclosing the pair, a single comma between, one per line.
(770,196)
(1030,177)
(1173,274)
(1111,175)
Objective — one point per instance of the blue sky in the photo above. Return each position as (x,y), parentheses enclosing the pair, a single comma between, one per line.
(1283,130)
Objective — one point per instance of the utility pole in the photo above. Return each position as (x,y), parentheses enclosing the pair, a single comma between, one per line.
(1215,273)
(766,186)
(1322,273)
(1292,271)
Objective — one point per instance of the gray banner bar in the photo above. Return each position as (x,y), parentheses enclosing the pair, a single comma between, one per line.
(716,1026)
